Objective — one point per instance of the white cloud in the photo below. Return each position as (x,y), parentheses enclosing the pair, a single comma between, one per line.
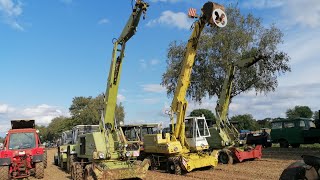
(121,98)
(143,64)
(11,10)
(103,21)
(3,108)
(43,114)
(151,100)
(156,88)
(147,64)
(169,18)
(154,62)
(292,12)
(262,3)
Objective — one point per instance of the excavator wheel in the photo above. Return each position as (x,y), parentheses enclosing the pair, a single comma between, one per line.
(225,157)
(173,166)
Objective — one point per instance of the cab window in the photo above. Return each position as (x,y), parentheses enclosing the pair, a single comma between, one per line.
(277,125)
(288,124)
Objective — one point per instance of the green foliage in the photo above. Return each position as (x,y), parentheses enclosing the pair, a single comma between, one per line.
(1,139)
(264,123)
(83,110)
(316,115)
(245,121)
(299,111)
(207,114)
(244,37)
(120,114)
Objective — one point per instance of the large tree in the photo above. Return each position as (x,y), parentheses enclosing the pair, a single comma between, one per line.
(207,114)
(87,110)
(299,111)
(245,121)
(243,37)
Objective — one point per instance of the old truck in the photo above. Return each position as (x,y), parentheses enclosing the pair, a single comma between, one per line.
(60,158)
(293,132)
(22,153)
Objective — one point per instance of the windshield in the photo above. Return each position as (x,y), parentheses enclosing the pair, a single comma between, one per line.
(22,141)
(311,124)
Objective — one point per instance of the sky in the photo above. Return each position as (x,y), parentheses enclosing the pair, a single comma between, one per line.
(53,51)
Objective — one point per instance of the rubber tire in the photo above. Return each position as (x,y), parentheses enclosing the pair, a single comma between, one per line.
(39,170)
(173,166)
(63,165)
(56,161)
(88,174)
(4,173)
(70,161)
(295,145)
(78,172)
(225,158)
(284,144)
(45,159)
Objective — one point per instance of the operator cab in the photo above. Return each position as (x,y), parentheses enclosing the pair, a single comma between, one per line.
(197,130)
(22,140)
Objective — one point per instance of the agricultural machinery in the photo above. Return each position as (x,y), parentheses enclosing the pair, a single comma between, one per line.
(22,154)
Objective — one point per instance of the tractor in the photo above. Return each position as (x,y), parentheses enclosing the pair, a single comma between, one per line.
(22,154)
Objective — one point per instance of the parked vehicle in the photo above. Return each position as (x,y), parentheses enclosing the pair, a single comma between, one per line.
(306,169)
(293,132)
(22,154)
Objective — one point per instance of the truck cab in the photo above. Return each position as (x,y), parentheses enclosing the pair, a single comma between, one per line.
(293,132)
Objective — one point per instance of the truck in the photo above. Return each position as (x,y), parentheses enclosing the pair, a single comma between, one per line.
(294,132)
(22,154)
(60,158)
(107,154)
(186,147)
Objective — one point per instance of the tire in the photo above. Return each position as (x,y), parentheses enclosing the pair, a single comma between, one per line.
(295,145)
(39,170)
(173,166)
(63,165)
(56,161)
(71,159)
(225,157)
(88,175)
(45,159)
(284,144)
(4,173)
(78,172)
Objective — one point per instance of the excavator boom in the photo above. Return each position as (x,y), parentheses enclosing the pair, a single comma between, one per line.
(116,62)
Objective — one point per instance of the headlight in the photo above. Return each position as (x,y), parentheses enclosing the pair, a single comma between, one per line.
(128,154)
(101,155)
(175,149)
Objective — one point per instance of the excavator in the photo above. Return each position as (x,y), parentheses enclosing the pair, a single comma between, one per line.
(224,135)
(107,154)
(186,147)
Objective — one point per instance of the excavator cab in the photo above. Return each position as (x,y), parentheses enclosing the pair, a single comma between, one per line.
(196,132)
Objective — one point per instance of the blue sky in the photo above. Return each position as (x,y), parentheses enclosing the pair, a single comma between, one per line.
(52,51)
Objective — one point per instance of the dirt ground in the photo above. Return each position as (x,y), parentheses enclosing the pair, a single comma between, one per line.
(269,167)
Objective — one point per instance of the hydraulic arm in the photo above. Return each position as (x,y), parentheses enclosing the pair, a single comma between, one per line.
(107,154)
(116,62)
(185,149)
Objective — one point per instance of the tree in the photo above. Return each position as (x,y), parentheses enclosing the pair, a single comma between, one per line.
(245,121)
(316,115)
(244,37)
(211,119)
(264,123)
(120,114)
(299,111)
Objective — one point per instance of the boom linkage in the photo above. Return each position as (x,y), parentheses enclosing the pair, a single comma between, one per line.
(130,29)
(179,103)
(230,133)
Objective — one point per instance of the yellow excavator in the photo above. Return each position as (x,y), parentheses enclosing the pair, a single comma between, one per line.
(186,147)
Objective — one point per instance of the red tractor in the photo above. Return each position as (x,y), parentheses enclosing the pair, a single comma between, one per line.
(22,154)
